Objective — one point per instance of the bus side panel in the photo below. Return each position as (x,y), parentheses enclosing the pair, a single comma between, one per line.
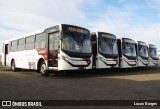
(22,59)
(26,59)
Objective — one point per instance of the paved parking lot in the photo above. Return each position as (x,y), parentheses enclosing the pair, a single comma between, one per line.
(126,84)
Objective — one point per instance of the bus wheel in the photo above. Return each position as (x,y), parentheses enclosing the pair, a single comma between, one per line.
(13,66)
(43,69)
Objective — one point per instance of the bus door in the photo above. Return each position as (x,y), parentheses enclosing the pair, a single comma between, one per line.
(53,49)
(6,54)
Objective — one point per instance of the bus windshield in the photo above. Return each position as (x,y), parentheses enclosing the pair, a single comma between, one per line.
(153,52)
(129,49)
(76,42)
(143,51)
(108,46)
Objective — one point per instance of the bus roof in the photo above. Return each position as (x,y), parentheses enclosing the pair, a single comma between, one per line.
(152,46)
(22,36)
(96,32)
(37,32)
(142,43)
(28,34)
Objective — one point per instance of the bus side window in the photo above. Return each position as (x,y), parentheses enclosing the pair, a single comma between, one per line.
(9,47)
(40,40)
(3,48)
(30,42)
(21,44)
(56,41)
(14,46)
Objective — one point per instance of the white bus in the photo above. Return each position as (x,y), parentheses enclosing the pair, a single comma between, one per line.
(127,53)
(61,47)
(104,48)
(142,54)
(153,57)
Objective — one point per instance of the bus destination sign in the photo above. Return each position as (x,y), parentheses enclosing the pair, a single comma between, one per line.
(70,28)
(74,29)
(129,41)
(107,36)
(152,46)
(142,43)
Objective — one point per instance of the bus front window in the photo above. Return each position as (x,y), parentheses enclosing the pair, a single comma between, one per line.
(143,51)
(78,43)
(153,52)
(129,49)
(108,46)
(86,45)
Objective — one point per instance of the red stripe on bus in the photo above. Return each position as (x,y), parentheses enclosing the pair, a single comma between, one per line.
(43,52)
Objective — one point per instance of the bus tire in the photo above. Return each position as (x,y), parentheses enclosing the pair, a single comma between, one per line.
(13,66)
(43,69)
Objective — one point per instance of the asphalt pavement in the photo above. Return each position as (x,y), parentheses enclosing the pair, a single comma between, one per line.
(110,84)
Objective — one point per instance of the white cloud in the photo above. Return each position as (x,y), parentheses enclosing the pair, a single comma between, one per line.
(119,22)
(33,14)
(150,35)
(113,20)
(154,4)
(40,13)
(19,16)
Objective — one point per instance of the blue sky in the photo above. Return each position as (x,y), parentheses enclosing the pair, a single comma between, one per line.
(137,19)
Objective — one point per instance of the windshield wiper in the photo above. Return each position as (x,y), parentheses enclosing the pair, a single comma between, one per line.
(74,38)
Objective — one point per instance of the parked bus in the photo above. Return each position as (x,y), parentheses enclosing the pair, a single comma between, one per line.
(127,53)
(153,57)
(105,52)
(61,47)
(142,54)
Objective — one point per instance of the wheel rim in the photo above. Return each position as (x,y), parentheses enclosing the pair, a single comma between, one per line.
(43,69)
